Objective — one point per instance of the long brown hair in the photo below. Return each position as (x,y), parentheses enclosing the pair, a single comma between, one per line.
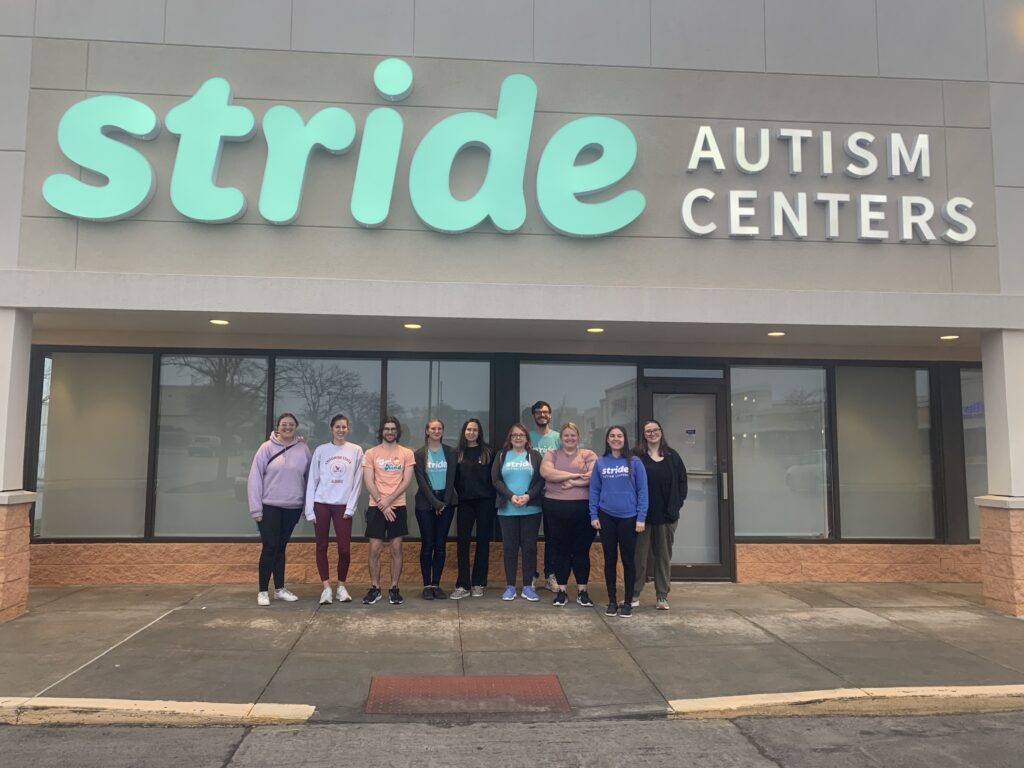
(508,438)
(641,447)
(485,449)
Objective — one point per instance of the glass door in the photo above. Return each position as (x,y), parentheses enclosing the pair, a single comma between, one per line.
(693,419)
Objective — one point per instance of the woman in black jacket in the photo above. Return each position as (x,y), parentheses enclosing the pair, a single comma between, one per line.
(666,488)
(435,505)
(476,507)
(519,486)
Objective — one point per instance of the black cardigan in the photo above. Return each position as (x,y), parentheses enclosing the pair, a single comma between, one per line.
(680,487)
(504,494)
(425,496)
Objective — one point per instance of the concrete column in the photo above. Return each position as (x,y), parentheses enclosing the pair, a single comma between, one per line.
(1002,510)
(15,503)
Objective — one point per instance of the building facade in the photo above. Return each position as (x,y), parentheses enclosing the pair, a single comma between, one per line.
(788,229)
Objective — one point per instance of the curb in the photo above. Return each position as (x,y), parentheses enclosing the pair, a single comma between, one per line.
(897,700)
(45,710)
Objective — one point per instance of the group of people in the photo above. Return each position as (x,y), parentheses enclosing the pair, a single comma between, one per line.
(632,498)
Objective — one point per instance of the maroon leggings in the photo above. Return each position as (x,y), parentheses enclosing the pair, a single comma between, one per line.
(325,513)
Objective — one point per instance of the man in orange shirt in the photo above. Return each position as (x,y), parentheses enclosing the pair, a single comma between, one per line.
(387,472)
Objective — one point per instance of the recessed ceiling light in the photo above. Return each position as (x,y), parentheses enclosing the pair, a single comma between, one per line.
(412,326)
(218,321)
(595,330)
(776,333)
(948,338)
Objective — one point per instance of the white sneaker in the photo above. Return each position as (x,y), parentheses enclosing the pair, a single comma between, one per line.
(477,591)
(286,595)
(551,585)
(262,598)
(343,595)
(325,596)
(458,593)
(635,603)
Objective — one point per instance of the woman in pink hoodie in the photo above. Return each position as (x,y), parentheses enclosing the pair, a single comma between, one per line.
(277,494)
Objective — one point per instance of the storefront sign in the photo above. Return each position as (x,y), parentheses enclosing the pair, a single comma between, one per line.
(566,173)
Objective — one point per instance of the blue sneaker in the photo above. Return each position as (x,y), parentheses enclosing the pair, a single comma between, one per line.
(530,594)
(509,593)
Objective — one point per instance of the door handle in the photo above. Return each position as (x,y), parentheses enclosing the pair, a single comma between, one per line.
(725,486)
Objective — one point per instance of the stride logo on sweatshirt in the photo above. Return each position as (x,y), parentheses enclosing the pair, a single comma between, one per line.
(621,469)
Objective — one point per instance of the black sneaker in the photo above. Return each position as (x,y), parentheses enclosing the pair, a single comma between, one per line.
(560,599)
(584,599)
(625,611)
(612,609)
(372,596)
(428,593)
(440,594)
(394,596)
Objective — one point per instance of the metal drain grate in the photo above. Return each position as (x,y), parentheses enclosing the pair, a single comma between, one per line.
(445,694)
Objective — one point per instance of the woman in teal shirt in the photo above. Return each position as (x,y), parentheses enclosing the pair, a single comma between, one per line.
(517,480)
(435,505)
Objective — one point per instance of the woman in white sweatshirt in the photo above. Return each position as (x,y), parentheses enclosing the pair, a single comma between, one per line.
(332,493)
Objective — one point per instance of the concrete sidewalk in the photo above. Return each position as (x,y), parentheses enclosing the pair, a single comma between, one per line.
(213,644)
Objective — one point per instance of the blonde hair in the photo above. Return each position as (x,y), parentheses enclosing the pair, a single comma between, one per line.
(570,425)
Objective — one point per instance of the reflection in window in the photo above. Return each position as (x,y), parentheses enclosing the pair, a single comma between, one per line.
(972,395)
(212,418)
(885,468)
(594,396)
(85,491)
(315,390)
(779,451)
(451,390)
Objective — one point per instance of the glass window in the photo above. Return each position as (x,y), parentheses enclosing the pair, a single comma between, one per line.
(93,445)
(594,396)
(885,462)
(316,389)
(684,373)
(213,417)
(451,390)
(972,395)
(780,477)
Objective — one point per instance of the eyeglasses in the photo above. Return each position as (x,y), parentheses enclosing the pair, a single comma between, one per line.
(652,431)
(518,436)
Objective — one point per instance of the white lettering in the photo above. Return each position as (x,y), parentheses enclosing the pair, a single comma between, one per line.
(832,201)
(857,144)
(867,214)
(739,212)
(954,213)
(705,148)
(741,151)
(689,222)
(795,137)
(783,211)
(915,212)
(900,157)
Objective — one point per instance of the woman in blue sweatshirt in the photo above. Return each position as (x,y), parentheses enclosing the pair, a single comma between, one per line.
(618,509)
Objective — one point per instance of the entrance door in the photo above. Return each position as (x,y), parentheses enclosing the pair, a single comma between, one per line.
(693,419)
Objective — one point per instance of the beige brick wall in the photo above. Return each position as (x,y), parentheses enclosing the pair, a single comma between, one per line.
(1002,545)
(14,560)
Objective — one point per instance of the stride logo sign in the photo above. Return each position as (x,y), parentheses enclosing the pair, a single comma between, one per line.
(87,136)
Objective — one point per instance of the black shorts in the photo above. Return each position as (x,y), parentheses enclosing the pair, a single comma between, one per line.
(378,527)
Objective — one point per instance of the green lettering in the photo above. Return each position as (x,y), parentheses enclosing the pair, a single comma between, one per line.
(506,136)
(203,123)
(290,141)
(378,163)
(561,182)
(84,138)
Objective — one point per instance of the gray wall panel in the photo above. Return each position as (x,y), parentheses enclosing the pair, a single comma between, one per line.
(44,156)
(1007,129)
(382,27)
(975,270)
(15,64)
(966,104)
(1010,215)
(932,38)
(1004,20)
(149,247)
(130,20)
(693,34)
(615,32)
(235,23)
(827,37)
(59,63)
(48,244)
(969,172)
(12,166)
(341,78)
(475,29)
(17,17)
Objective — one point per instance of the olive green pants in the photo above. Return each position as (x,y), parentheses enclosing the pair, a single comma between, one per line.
(655,544)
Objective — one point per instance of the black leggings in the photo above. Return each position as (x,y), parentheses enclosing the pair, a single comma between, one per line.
(275,529)
(569,536)
(618,533)
(481,512)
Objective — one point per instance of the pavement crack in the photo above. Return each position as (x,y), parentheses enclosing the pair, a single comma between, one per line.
(761,750)
(234,750)
(287,653)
